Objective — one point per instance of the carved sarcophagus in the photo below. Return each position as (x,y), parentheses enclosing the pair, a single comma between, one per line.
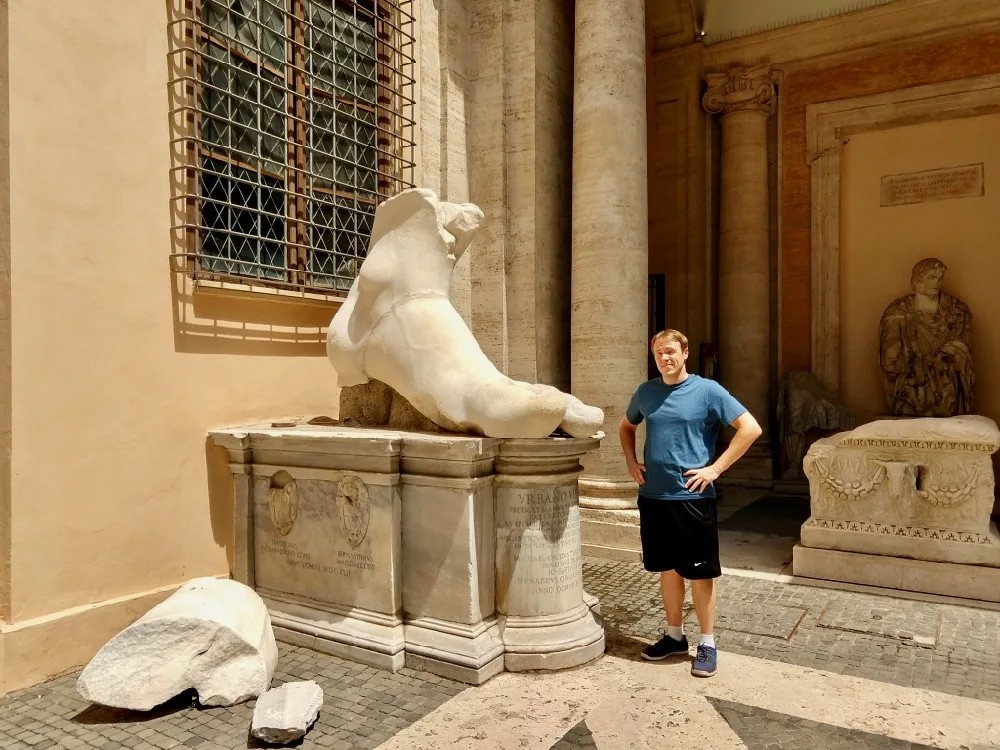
(910,488)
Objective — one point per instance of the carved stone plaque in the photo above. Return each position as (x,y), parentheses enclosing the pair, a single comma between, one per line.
(283,502)
(354,508)
(936,184)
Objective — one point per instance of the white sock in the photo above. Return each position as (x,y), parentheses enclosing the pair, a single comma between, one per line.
(707,640)
(675,631)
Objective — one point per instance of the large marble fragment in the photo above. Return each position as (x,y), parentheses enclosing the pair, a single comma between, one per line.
(925,353)
(212,635)
(284,714)
(913,488)
(398,326)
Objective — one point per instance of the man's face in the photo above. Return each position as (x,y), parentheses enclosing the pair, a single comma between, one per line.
(670,357)
(930,283)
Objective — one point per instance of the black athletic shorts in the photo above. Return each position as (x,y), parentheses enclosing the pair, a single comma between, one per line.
(680,535)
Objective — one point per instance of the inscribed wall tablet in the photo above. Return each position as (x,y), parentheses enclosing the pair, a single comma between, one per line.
(935,184)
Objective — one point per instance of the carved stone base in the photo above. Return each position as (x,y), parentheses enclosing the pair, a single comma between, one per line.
(367,637)
(559,641)
(446,552)
(548,620)
(904,504)
(470,654)
(946,579)
(940,545)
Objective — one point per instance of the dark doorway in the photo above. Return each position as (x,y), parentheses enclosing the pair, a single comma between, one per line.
(657,317)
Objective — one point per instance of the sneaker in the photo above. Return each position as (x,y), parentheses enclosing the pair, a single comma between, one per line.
(705,662)
(665,647)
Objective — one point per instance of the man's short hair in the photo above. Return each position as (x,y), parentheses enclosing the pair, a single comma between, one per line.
(671,335)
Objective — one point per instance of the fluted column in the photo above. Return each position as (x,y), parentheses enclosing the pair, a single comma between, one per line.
(744,98)
(610,238)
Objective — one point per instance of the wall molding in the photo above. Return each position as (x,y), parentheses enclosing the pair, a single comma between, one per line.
(794,20)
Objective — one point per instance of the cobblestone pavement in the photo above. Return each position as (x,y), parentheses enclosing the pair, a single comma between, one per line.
(363,707)
(942,647)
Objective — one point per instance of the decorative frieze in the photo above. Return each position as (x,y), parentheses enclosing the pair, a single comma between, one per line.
(891,529)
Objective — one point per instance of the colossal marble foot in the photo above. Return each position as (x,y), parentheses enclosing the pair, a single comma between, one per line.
(398,326)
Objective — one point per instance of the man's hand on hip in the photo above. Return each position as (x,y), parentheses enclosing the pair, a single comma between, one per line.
(700,478)
(638,472)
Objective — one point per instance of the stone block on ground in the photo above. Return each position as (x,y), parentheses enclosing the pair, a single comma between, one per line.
(284,714)
(212,635)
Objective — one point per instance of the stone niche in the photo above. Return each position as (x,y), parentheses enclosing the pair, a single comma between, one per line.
(451,554)
(905,504)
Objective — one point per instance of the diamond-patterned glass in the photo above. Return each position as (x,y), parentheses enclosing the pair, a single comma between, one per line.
(292,151)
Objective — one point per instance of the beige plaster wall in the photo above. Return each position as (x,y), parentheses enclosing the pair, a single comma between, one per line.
(880,245)
(118,368)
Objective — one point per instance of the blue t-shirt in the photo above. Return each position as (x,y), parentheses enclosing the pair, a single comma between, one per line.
(682,425)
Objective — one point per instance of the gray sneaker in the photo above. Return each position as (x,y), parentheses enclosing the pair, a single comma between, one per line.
(705,662)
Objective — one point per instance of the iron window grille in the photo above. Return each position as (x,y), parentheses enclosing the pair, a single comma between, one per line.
(292,120)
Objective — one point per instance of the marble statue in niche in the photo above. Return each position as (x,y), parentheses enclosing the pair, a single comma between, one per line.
(925,356)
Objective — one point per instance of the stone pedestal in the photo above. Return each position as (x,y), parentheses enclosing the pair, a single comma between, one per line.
(904,504)
(448,557)
(382,546)
(547,624)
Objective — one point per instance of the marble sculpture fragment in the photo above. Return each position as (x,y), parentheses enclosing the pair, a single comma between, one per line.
(398,326)
(213,635)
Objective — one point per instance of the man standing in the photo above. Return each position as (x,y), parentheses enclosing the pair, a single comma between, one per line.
(677,506)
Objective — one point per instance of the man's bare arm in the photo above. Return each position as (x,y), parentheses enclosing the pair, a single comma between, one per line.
(626,433)
(747,431)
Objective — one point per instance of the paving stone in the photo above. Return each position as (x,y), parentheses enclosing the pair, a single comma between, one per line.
(961,657)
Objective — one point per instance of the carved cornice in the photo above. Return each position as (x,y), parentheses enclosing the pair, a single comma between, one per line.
(740,89)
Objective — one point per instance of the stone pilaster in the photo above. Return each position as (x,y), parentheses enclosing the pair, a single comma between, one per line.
(609,235)
(744,98)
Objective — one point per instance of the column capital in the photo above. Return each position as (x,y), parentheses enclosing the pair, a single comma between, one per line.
(740,89)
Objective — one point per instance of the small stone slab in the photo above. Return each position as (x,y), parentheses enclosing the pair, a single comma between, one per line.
(757,618)
(912,622)
(284,714)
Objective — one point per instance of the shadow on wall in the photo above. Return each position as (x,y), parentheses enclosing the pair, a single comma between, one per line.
(219,313)
(221,499)
(229,321)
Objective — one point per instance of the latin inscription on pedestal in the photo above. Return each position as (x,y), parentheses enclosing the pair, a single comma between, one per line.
(538,550)
(936,184)
(338,549)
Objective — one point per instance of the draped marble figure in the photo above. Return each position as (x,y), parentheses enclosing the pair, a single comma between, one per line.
(925,355)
